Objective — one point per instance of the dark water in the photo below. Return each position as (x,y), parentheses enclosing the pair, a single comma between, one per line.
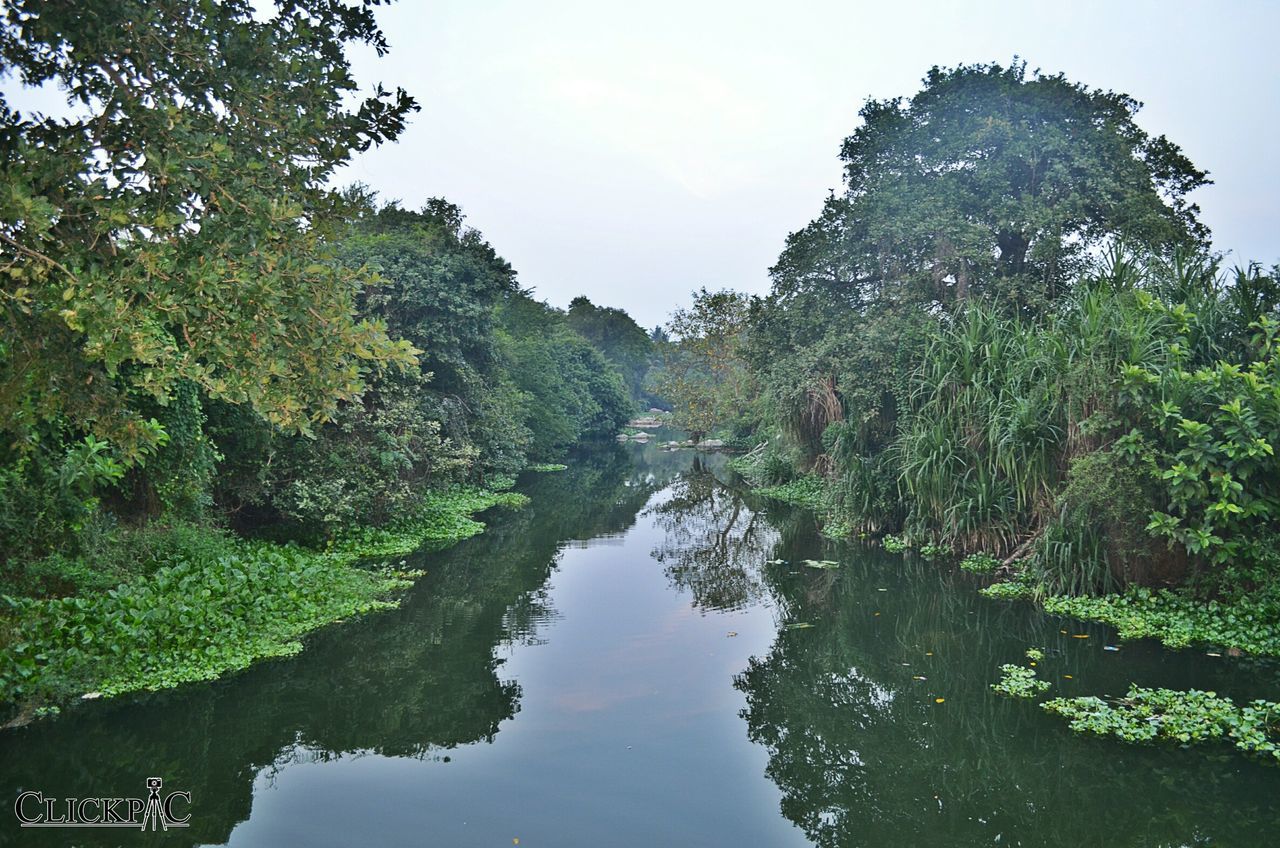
(611,666)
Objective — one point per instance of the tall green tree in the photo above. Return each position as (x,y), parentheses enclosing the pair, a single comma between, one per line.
(177,228)
(617,336)
(992,183)
(991,179)
(571,394)
(702,373)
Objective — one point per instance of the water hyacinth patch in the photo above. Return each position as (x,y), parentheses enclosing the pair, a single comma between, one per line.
(216,607)
(980,563)
(1247,622)
(894,544)
(1019,682)
(1189,717)
(1009,591)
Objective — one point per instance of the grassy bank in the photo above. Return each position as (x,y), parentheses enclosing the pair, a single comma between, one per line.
(198,603)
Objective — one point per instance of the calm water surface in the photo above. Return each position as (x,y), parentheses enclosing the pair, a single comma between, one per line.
(617,665)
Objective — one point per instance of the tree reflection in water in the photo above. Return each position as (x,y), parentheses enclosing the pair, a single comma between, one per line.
(715,546)
(860,746)
(414,682)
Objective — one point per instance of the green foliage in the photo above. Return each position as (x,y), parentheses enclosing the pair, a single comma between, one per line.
(980,563)
(809,491)
(189,621)
(177,480)
(1002,407)
(620,340)
(993,180)
(767,466)
(894,544)
(932,551)
(1190,717)
(440,518)
(540,467)
(1212,432)
(1010,590)
(374,462)
(1018,681)
(571,393)
(177,227)
(992,185)
(702,373)
(502,379)
(1247,621)
(193,603)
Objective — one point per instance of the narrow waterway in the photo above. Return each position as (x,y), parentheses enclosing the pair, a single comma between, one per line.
(636,659)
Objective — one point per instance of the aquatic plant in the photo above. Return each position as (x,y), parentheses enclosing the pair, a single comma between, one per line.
(980,563)
(932,551)
(1247,621)
(1011,590)
(894,544)
(808,491)
(1018,681)
(214,606)
(1189,717)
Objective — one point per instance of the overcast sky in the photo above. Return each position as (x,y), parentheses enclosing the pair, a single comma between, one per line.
(635,151)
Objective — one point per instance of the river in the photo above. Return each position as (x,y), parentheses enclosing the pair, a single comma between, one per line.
(624,662)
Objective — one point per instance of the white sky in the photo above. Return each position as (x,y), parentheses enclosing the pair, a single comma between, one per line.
(635,151)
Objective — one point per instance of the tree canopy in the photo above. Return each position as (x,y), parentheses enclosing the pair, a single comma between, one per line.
(617,336)
(177,225)
(991,179)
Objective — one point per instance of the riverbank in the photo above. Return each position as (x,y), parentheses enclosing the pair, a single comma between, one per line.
(200,603)
(1247,622)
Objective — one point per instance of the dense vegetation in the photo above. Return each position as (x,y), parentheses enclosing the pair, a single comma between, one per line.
(1008,337)
(201,335)
(226,386)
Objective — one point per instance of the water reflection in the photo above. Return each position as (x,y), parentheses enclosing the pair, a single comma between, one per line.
(875,707)
(714,546)
(789,705)
(412,683)
(882,730)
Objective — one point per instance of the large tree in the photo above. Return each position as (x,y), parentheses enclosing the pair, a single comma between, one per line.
(992,183)
(991,179)
(176,227)
(702,373)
